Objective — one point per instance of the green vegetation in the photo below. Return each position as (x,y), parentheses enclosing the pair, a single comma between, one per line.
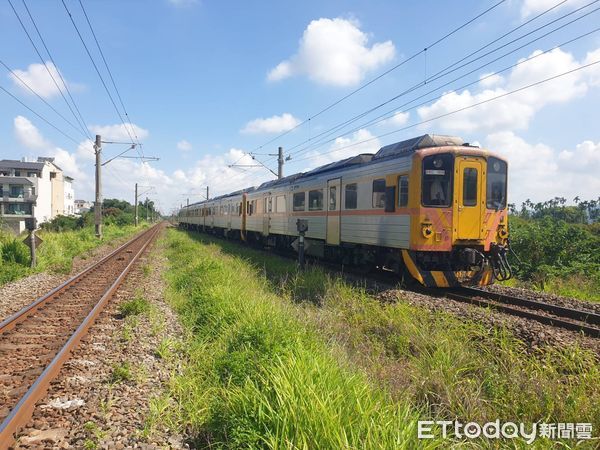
(136,306)
(557,247)
(281,359)
(120,373)
(64,238)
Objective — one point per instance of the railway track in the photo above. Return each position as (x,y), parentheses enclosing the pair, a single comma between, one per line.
(580,321)
(36,341)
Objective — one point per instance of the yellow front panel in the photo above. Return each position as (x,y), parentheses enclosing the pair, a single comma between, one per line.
(469,203)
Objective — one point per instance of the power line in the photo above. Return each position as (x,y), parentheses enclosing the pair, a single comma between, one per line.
(39,115)
(13,73)
(59,73)
(47,68)
(109,72)
(537,83)
(444,72)
(97,70)
(386,115)
(337,102)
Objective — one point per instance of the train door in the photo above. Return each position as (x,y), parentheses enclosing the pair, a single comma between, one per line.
(468,198)
(266,214)
(334,211)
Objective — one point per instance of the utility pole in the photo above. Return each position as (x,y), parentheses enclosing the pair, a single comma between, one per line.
(98,202)
(147,209)
(280,163)
(207,197)
(136,206)
(188,202)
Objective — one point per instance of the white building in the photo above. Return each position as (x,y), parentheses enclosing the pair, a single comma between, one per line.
(32,189)
(69,200)
(82,206)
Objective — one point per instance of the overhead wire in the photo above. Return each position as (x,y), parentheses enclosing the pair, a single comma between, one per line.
(98,72)
(83,128)
(456,111)
(66,86)
(39,115)
(110,74)
(403,62)
(444,72)
(42,99)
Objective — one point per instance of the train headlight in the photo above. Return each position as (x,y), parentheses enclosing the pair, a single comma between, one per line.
(427,230)
(502,232)
(437,163)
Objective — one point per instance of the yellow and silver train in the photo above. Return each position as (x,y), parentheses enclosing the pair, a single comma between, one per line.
(432,208)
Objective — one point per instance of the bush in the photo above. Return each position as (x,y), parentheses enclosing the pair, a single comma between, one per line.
(64,223)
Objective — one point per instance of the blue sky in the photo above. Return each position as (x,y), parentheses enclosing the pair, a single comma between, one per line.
(199,78)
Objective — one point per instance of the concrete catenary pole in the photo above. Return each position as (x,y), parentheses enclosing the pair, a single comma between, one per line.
(280,163)
(98,201)
(136,206)
(207,197)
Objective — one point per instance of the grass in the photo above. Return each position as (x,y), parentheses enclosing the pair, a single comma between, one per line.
(276,358)
(120,373)
(574,286)
(255,376)
(134,307)
(56,253)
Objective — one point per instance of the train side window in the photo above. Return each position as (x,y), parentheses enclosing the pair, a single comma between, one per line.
(332,198)
(379,193)
(470,186)
(351,196)
(496,184)
(280,203)
(299,201)
(403,191)
(437,180)
(315,200)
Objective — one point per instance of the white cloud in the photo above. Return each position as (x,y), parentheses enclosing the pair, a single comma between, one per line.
(515,111)
(334,52)
(488,80)
(37,78)
(535,168)
(28,135)
(184,145)
(398,119)
(594,71)
(274,124)
(344,147)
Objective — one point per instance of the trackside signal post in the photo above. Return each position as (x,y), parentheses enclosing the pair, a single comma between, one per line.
(302,227)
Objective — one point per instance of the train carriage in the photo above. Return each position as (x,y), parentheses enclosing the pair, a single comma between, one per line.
(432,208)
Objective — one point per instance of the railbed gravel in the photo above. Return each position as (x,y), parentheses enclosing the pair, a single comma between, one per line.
(85,406)
(20,293)
(535,335)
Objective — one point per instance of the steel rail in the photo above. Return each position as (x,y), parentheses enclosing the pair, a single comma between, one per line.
(506,308)
(576,314)
(21,315)
(23,411)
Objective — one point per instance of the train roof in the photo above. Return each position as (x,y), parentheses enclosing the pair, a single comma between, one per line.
(405,147)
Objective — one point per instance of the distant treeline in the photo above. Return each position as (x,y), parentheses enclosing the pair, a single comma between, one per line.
(554,242)
(114,211)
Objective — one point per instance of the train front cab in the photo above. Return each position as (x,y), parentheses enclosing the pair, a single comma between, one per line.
(459,230)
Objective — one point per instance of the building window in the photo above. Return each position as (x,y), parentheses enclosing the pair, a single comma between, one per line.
(52,175)
(315,200)
(19,209)
(16,191)
(299,201)
(32,174)
(17,173)
(403,191)
(351,197)
(379,193)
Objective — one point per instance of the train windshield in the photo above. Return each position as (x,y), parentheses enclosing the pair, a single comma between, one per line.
(496,183)
(437,180)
